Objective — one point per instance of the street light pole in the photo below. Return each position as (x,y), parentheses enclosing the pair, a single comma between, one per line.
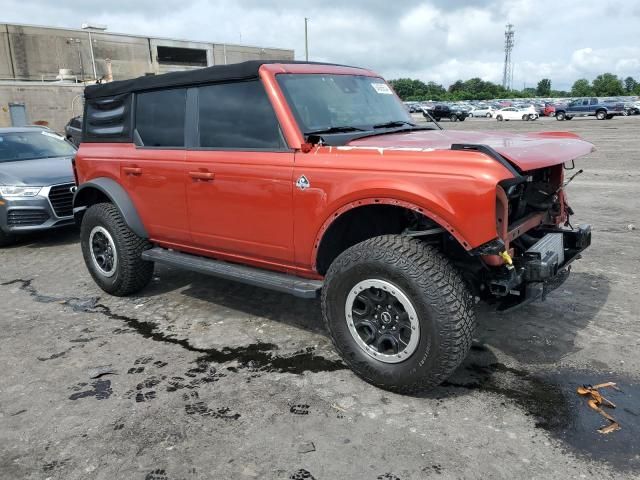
(89,27)
(306,39)
(93,59)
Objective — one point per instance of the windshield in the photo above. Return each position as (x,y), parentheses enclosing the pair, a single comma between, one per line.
(322,102)
(16,146)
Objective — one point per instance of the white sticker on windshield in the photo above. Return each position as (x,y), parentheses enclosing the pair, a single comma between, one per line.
(382,88)
(52,135)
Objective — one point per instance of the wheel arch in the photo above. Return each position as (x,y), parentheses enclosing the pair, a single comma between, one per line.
(325,249)
(105,189)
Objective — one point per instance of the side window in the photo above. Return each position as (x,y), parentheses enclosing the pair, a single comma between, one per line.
(585,101)
(160,117)
(594,101)
(237,115)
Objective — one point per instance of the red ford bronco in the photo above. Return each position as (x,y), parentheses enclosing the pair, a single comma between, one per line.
(312,179)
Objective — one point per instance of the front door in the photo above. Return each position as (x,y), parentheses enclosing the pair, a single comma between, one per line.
(239,177)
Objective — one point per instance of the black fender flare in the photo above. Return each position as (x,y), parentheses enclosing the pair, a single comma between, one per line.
(117,195)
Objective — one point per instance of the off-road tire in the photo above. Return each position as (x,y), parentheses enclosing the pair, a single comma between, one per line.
(601,115)
(132,273)
(438,293)
(560,116)
(6,239)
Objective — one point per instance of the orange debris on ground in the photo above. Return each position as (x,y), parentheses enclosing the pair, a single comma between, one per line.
(596,400)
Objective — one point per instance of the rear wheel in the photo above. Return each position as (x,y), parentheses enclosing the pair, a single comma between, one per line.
(112,252)
(453,118)
(488,115)
(559,115)
(398,312)
(526,118)
(601,114)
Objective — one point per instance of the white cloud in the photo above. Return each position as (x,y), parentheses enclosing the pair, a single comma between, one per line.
(440,40)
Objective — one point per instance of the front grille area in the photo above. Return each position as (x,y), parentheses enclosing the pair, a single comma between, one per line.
(26,218)
(61,199)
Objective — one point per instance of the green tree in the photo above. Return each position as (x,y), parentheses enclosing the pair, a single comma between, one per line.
(544,88)
(630,84)
(407,87)
(581,88)
(607,85)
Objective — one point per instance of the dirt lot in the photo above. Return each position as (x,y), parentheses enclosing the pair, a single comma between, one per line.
(216,380)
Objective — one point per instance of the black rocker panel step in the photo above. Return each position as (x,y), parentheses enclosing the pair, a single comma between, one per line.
(281,282)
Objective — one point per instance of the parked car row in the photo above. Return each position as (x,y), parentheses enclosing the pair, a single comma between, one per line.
(568,108)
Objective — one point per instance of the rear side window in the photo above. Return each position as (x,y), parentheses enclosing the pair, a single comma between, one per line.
(160,117)
(236,116)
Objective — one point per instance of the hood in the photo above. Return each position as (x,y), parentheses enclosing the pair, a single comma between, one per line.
(38,172)
(526,151)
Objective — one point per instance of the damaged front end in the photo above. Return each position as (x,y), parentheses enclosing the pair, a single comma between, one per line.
(536,242)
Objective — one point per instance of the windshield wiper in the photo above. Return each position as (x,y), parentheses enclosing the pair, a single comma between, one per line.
(338,129)
(395,123)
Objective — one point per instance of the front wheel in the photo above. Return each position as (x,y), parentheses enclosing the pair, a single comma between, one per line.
(488,115)
(112,252)
(499,118)
(398,312)
(453,118)
(526,118)
(559,115)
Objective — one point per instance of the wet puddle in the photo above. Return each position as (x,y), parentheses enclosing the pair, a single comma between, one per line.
(257,357)
(551,399)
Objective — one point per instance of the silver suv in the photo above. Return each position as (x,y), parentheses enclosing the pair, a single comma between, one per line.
(36,181)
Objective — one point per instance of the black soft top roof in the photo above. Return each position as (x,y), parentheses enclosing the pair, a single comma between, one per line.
(218,73)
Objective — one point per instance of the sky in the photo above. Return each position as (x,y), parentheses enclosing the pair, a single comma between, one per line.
(436,40)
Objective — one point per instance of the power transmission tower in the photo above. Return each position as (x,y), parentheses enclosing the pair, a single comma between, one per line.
(507,75)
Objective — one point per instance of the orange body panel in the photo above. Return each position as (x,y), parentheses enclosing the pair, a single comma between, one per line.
(243,206)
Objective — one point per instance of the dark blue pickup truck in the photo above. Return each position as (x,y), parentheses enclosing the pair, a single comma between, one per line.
(589,107)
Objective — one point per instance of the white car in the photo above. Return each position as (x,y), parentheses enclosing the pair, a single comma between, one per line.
(513,113)
(482,112)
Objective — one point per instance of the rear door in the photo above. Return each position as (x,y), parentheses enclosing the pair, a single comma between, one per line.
(239,176)
(153,174)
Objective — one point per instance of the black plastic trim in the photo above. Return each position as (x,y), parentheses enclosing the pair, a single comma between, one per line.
(490,152)
(281,282)
(118,196)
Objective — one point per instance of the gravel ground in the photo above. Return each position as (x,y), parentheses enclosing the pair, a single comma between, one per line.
(207,379)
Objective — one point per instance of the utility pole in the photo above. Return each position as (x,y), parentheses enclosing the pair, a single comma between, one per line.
(306,39)
(507,74)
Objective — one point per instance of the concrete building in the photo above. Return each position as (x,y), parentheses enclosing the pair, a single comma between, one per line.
(42,68)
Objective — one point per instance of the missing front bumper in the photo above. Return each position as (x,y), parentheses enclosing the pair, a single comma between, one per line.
(542,269)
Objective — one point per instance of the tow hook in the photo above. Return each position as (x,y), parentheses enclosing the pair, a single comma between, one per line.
(507,258)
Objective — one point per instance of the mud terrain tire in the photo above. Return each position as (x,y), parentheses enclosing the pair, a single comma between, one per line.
(437,292)
(104,228)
